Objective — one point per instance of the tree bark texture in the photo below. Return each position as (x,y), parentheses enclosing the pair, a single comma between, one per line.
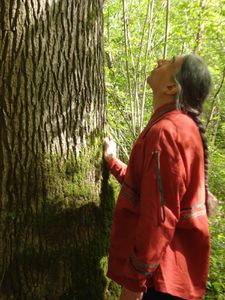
(55,203)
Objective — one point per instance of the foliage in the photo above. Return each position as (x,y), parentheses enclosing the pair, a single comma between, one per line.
(134,40)
(216,284)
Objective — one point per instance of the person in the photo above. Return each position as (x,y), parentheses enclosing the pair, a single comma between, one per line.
(160,243)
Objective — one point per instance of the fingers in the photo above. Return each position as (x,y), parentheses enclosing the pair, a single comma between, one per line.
(108,142)
(109,148)
(108,139)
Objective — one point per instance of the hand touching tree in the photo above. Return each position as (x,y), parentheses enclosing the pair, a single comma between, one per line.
(109,149)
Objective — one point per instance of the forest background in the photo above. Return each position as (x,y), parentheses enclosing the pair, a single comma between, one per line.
(137,34)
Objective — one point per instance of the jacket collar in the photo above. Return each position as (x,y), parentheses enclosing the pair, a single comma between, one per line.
(158,115)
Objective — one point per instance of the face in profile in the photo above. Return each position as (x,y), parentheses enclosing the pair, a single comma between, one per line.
(161,77)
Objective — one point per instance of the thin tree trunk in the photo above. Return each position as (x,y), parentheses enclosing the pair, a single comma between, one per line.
(201,27)
(138,86)
(215,130)
(166,29)
(213,106)
(146,55)
(126,43)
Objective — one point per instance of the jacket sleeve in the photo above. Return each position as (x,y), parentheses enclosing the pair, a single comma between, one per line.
(162,188)
(117,168)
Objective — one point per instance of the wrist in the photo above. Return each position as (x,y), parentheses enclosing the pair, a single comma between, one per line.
(108,157)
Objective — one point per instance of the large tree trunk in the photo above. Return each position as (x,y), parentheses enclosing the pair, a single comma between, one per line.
(55,204)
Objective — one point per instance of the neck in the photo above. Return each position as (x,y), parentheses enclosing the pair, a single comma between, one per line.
(162,100)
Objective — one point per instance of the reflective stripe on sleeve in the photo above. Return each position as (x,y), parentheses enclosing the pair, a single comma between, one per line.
(194,214)
(142,267)
(193,207)
(193,211)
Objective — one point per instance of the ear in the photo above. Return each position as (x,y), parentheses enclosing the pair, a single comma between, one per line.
(171,89)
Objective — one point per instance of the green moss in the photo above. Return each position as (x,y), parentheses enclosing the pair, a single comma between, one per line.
(80,212)
(113,291)
(77,180)
(63,239)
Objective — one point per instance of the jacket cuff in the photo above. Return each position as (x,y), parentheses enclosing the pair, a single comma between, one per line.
(112,162)
(115,163)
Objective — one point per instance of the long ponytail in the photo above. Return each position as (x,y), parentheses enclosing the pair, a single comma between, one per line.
(201,128)
(194,83)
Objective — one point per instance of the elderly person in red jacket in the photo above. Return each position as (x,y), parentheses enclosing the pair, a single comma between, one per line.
(160,242)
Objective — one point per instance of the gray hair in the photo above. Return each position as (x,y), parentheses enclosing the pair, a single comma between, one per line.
(194,82)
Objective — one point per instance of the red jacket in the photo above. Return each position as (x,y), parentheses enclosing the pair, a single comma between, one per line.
(160,233)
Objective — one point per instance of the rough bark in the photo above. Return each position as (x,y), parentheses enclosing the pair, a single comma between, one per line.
(54,217)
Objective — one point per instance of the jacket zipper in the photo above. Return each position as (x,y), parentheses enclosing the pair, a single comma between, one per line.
(160,186)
